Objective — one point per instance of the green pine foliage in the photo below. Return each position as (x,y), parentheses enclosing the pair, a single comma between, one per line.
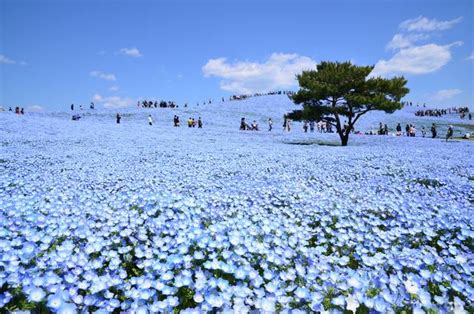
(338,90)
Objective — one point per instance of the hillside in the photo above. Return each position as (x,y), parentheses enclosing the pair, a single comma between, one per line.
(139,218)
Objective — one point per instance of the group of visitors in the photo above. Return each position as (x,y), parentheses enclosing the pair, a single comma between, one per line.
(18,110)
(246,96)
(319,126)
(172,104)
(431,112)
(410,131)
(156,104)
(176,122)
(91,106)
(192,123)
(244,126)
(462,111)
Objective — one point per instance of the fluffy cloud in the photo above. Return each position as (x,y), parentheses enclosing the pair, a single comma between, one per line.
(444,94)
(34,108)
(103,76)
(131,52)
(423,24)
(5,60)
(113,102)
(113,88)
(471,57)
(410,56)
(244,77)
(400,41)
(416,60)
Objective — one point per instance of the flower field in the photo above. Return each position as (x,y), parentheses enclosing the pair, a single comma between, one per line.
(99,217)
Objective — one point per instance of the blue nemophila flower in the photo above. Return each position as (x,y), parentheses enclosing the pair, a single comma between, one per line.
(215,300)
(339,300)
(55,301)
(36,295)
(67,308)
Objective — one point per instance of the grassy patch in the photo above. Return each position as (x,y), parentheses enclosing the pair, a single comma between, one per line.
(429,182)
(229,277)
(314,142)
(186,299)
(20,302)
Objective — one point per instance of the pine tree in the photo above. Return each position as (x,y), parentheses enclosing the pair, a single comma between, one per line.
(336,90)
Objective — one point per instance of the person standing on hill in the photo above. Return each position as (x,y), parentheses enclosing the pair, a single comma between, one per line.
(150,120)
(305,126)
(118,117)
(243,124)
(199,123)
(270,124)
(311,126)
(399,129)
(450,133)
(407,130)
(72,106)
(433,130)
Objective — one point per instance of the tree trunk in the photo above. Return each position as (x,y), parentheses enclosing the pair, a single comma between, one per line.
(344,140)
(344,137)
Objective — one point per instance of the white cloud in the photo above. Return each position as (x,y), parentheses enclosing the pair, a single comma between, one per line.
(5,60)
(400,41)
(278,72)
(444,94)
(416,60)
(471,57)
(131,52)
(113,102)
(35,108)
(423,24)
(410,56)
(103,76)
(113,88)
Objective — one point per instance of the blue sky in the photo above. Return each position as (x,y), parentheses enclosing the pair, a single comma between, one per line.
(54,53)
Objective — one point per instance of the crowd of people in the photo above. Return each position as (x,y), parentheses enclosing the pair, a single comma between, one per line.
(462,111)
(246,96)
(411,131)
(326,127)
(156,104)
(322,126)
(18,110)
(172,104)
